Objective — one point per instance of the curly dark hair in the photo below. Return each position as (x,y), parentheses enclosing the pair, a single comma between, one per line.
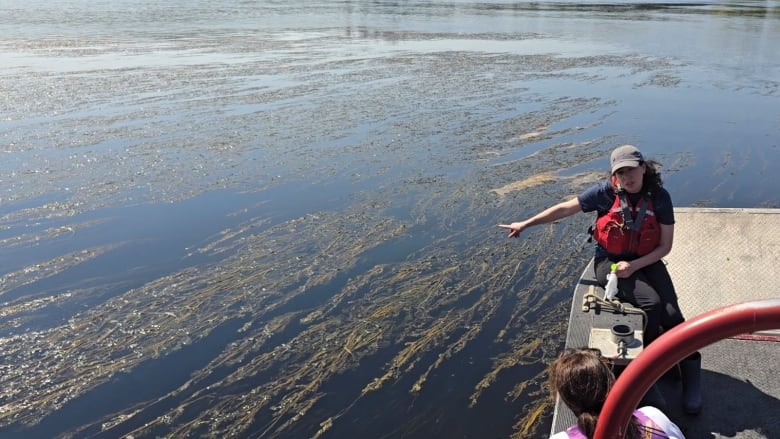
(652,181)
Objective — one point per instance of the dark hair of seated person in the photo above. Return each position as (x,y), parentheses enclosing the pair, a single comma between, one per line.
(582,378)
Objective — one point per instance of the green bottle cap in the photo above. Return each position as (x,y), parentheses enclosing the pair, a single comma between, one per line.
(613,267)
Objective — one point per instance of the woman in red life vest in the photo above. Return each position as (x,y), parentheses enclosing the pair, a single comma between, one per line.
(634,229)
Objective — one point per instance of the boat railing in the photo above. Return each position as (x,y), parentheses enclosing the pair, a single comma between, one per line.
(673,346)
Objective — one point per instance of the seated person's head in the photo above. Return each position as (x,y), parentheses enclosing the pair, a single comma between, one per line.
(582,379)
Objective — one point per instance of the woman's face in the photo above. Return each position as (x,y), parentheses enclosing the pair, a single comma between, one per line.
(630,179)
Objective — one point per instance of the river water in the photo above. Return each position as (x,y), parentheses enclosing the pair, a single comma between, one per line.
(278,218)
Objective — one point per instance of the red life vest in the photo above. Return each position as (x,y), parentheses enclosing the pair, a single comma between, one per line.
(627,229)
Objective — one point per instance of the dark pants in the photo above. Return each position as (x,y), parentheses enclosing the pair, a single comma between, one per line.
(649,289)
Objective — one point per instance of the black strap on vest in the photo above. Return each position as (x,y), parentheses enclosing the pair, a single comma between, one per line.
(628,218)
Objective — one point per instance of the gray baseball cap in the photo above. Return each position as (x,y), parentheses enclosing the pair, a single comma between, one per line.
(626,156)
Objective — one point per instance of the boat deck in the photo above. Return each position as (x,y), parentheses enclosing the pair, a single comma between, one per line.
(720,257)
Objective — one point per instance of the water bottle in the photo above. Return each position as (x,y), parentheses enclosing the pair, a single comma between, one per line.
(610,291)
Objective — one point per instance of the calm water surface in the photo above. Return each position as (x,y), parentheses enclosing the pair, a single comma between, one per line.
(277,219)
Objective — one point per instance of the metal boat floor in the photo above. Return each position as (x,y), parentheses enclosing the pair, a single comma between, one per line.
(724,256)
(720,257)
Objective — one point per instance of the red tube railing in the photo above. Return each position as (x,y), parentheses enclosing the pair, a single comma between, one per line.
(673,346)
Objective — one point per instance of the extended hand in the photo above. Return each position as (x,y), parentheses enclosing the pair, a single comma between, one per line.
(514,229)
